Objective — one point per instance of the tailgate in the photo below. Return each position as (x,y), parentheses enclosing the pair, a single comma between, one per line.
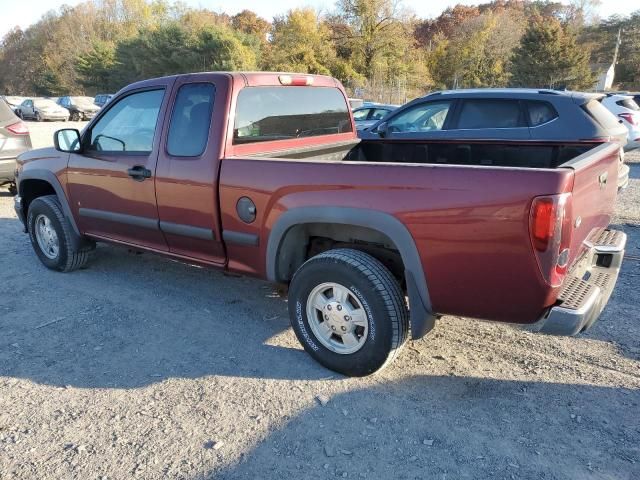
(594,193)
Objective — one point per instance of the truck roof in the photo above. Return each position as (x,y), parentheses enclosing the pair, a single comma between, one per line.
(250,79)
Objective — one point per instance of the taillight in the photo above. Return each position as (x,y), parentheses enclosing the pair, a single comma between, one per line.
(550,231)
(629,117)
(19,128)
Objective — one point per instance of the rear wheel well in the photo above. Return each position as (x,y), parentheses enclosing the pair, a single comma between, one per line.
(304,241)
(33,188)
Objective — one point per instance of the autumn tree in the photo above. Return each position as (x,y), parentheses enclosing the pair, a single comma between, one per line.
(248,22)
(549,56)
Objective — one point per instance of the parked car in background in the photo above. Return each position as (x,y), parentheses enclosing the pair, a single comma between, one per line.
(355,103)
(369,115)
(13,101)
(80,108)
(263,174)
(40,109)
(509,114)
(102,99)
(14,140)
(627,110)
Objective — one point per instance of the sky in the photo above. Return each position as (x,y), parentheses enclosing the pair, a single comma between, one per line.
(24,13)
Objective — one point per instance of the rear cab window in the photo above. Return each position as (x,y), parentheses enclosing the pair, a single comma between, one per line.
(285,112)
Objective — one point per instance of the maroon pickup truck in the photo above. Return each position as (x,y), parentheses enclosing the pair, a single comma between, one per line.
(262,174)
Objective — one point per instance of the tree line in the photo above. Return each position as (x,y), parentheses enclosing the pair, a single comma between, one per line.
(377,48)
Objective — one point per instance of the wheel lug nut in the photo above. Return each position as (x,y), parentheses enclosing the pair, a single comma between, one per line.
(347,318)
(326,317)
(339,307)
(344,329)
(328,307)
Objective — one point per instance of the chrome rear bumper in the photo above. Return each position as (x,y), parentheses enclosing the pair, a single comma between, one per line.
(588,286)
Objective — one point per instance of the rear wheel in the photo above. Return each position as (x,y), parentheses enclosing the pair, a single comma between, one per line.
(38,117)
(75,116)
(348,312)
(51,237)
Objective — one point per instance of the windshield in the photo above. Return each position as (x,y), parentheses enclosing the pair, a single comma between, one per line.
(45,103)
(82,101)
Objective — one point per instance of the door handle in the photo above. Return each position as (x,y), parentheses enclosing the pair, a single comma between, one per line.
(139,173)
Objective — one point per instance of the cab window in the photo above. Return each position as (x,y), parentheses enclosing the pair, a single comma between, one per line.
(191,119)
(490,113)
(129,125)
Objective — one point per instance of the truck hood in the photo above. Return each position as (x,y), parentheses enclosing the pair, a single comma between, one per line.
(39,154)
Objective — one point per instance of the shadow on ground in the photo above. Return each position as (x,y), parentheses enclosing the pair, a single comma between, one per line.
(91,329)
(131,320)
(545,431)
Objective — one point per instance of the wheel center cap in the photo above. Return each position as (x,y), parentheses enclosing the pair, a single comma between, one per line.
(335,314)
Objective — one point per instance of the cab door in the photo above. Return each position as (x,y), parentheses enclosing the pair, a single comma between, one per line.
(188,168)
(112,180)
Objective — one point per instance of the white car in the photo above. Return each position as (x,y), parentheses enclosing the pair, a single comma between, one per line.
(627,110)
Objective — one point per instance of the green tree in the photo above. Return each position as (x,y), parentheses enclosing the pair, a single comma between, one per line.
(96,67)
(549,56)
(371,30)
(301,42)
(173,48)
(478,53)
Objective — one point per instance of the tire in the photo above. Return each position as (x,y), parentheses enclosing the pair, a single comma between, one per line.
(19,114)
(13,189)
(38,117)
(65,258)
(370,290)
(75,117)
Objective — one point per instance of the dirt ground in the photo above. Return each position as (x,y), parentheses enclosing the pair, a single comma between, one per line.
(141,367)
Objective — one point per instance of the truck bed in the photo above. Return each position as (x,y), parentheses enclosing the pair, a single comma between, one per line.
(487,153)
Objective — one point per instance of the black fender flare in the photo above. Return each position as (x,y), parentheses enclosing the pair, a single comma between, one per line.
(422,316)
(51,179)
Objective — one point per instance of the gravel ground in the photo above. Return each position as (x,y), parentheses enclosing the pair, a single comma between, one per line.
(141,367)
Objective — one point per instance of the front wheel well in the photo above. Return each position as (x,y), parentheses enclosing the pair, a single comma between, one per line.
(33,188)
(304,241)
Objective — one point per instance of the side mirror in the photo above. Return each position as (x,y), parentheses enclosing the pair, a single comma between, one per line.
(382,129)
(67,140)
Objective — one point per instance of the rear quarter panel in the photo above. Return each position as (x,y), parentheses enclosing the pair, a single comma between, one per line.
(470,224)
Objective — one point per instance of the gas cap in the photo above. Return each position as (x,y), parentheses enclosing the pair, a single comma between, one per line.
(246,209)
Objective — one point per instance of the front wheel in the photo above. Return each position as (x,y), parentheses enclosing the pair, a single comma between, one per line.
(51,237)
(348,311)
(38,117)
